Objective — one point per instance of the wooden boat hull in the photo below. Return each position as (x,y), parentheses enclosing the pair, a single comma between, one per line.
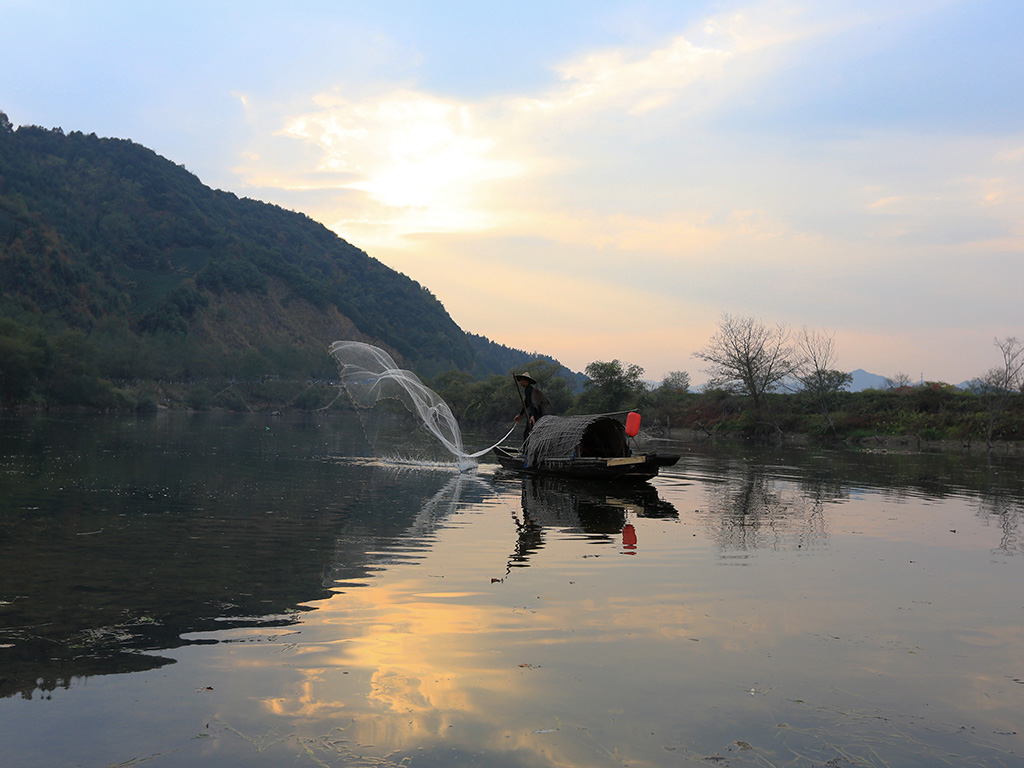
(642,467)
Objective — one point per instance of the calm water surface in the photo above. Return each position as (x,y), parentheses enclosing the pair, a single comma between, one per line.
(198,590)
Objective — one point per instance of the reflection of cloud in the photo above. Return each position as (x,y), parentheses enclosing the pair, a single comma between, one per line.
(431,656)
(414,660)
(422,655)
(419,662)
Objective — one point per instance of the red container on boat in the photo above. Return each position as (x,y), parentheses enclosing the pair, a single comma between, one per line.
(632,423)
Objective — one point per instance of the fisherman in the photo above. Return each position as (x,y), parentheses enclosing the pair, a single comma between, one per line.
(535,402)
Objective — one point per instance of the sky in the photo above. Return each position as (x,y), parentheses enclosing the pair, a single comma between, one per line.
(598,180)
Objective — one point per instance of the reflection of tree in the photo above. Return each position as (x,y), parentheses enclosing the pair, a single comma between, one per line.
(592,509)
(910,473)
(761,498)
(753,508)
(1001,503)
(1009,515)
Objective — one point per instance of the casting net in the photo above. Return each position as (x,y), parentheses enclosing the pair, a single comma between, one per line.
(370,375)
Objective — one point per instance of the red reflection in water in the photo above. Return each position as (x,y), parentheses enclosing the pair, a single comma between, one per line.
(629,539)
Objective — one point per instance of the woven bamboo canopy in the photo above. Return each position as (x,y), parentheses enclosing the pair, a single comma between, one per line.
(565,437)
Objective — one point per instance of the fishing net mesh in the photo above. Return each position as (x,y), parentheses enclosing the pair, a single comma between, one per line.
(369,375)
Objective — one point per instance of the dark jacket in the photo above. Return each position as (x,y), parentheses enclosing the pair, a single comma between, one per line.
(536,403)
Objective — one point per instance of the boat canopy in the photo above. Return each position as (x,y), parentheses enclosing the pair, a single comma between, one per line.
(566,437)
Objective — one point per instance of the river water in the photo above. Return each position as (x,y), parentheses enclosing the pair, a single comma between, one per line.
(212,590)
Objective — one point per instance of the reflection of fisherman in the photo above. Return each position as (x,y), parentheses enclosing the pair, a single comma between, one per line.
(535,402)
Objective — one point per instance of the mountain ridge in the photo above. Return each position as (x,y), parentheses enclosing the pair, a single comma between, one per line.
(145,271)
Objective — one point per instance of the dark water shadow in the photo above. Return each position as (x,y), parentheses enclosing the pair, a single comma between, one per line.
(121,539)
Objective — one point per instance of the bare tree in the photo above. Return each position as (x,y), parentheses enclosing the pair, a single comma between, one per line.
(998,383)
(819,379)
(754,358)
(899,381)
(1012,350)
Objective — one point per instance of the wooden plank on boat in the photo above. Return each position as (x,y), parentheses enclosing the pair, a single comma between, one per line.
(626,460)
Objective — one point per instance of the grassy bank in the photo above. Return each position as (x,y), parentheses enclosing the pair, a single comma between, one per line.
(930,414)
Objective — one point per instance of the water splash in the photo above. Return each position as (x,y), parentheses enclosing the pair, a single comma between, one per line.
(369,374)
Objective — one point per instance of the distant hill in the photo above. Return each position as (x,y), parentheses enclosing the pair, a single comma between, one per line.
(117,258)
(863,380)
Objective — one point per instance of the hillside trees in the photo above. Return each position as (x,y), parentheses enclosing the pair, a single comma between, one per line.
(494,400)
(94,230)
(665,401)
(26,357)
(613,387)
(677,382)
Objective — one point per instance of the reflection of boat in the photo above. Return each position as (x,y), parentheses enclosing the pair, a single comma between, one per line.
(564,502)
(597,510)
(593,447)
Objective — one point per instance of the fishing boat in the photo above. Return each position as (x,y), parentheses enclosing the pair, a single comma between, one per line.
(593,447)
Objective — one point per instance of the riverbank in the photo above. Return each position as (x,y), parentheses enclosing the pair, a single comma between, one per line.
(880,443)
(924,419)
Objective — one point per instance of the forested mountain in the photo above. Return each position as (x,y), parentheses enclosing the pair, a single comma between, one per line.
(117,264)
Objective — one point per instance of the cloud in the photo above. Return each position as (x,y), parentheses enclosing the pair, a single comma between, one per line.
(431,164)
(1012,156)
(615,80)
(641,191)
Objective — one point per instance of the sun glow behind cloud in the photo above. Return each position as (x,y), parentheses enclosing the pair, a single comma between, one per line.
(411,149)
(421,159)
(433,165)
